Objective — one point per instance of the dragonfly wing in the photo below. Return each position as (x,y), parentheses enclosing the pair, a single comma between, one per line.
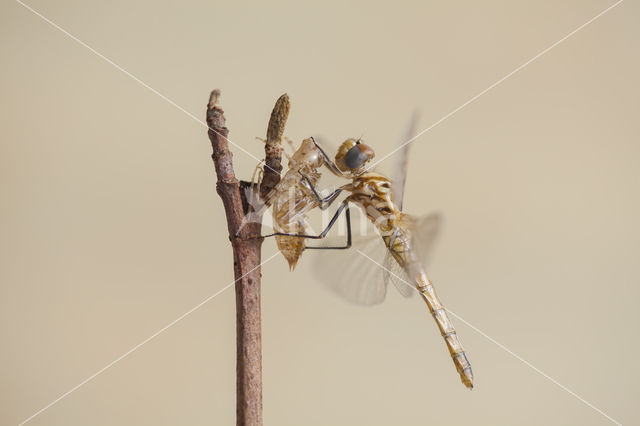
(353,276)
(425,231)
(424,234)
(395,274)
(399,176)
(350,273)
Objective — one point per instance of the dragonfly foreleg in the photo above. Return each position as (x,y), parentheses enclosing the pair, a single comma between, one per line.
(347,214)
(328,161)
(326,201)
(344,206)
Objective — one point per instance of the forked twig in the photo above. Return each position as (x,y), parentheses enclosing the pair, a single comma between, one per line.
(246,247)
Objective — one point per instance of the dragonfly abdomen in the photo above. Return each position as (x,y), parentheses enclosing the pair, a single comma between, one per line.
(447,330)
(372,193)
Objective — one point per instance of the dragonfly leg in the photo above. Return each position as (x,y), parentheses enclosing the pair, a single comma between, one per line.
(330,163)
(343,206)
(347,213)
(324,202)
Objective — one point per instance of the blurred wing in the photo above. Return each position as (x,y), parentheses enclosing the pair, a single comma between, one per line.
(348,273)
(395,274)
(402,161)
(424,235)
(354,277)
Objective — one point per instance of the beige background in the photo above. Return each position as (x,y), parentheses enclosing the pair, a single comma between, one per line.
(111,227)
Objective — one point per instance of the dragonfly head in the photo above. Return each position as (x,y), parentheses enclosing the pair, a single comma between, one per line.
(353,155)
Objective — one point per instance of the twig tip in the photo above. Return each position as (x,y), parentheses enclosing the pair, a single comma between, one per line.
(214,97)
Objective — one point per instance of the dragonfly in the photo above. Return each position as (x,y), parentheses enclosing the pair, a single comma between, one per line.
(375,195)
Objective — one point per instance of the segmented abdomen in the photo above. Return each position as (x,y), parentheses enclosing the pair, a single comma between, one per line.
(372,193)
(398,242)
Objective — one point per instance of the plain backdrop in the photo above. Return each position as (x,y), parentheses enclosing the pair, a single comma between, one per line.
(110,227)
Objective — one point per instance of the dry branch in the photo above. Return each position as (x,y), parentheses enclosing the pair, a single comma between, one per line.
(246,267)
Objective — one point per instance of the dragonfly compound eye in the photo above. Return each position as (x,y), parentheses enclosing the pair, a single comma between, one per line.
(358,155)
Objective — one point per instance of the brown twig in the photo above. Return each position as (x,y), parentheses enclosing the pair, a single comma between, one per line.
(246,267)
(246,246)
(273,147)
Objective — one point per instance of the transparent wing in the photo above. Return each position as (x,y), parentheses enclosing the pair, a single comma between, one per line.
(350,273)
(396,275)
(353,275)
(423,237)
(402,160)
(424,234)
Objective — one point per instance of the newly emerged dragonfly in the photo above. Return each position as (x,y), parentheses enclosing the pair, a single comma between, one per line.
(401,233)
(373,193)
